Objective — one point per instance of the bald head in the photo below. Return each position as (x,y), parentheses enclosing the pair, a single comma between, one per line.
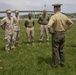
(29,15)
(44,12)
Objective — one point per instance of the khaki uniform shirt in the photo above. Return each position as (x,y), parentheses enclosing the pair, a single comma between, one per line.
(8,25)
(58,22)
(16,23)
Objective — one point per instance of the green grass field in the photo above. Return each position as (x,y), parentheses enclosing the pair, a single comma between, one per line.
(36,60)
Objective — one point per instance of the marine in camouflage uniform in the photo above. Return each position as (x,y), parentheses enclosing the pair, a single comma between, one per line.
(16,23)
(7,25)
(29,24)
(43,21)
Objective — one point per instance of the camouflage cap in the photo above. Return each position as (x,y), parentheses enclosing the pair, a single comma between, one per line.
(16,11)
(8,11)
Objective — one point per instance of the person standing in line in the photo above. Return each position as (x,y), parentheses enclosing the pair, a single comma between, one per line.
(29,24)
(16,23)
(43,21)
(7,26)
(57,27)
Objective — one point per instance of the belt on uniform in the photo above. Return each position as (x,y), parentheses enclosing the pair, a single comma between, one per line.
(30,27)
(43,24)
(58,32)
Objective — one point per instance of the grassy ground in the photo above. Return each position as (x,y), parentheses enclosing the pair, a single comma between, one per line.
(36,60)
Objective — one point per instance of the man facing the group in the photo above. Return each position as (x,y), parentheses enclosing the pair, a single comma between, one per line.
(58,23)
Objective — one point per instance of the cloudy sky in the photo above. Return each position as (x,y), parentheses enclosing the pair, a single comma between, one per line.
(69,6)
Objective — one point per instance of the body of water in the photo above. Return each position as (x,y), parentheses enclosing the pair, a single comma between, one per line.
(73,18)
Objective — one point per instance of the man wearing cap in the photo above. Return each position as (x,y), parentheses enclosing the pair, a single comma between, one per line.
(29,24)
(7,25)
(16,23)
(57,27)
(43,21)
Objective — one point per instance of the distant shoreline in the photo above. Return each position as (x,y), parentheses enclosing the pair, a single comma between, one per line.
(73,18)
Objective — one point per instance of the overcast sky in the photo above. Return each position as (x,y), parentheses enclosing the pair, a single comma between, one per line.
(69,6)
